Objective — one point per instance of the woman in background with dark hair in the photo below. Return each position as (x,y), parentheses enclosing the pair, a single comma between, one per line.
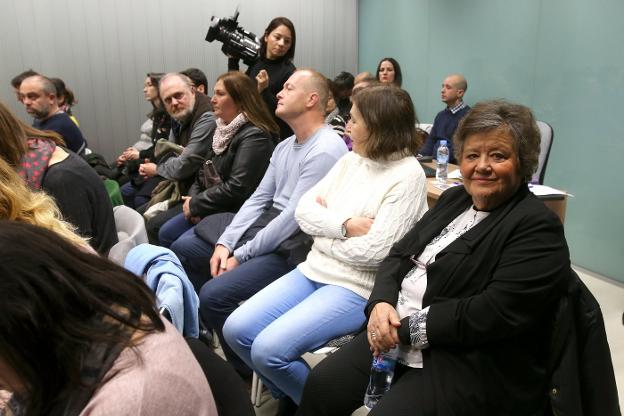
(66,99)
(82,336)
(157,125)
(389,72)
(274,66)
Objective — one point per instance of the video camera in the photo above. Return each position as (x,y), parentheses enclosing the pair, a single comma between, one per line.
(237,42)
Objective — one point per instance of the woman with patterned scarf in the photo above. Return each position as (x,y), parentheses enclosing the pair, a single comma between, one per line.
(42,161)
(241,148)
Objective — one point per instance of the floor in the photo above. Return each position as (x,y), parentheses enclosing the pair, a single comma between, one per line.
(610,295)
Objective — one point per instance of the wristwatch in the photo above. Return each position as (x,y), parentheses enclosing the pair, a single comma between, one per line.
(344,229)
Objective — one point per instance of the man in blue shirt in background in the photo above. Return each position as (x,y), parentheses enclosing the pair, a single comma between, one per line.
(453,89)
(39,96)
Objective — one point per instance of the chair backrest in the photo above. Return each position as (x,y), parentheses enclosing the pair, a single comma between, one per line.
(130,232)
(425,126)
(546,135)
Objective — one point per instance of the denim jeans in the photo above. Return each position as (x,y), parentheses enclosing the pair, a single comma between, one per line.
(220,296)
(173,229)
(194,254)
(291,316)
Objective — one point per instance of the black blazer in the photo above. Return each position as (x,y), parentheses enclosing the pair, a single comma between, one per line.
(492,295)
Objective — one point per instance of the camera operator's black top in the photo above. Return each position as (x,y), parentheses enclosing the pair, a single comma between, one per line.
(279,71)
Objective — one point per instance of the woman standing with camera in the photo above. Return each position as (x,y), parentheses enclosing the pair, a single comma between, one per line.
(274,67)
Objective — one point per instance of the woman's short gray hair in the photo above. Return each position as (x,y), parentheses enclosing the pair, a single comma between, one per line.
(516,119)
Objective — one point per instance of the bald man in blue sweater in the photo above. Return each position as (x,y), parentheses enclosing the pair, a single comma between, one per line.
(453,89)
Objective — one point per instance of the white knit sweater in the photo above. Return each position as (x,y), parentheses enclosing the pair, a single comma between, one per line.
(393,193)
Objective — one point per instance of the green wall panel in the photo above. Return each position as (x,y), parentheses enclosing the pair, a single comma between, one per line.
(563,58)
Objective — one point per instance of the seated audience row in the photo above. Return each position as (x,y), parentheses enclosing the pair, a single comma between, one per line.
(368,200)
(242,144)
(250,249)
(291,241)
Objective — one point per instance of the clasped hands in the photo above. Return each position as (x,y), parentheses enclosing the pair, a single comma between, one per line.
(147,169)
(221,262)
(186,209)
(382,328)
(129,154)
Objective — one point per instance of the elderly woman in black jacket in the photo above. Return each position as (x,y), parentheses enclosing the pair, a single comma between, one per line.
(241,148)
(468,295)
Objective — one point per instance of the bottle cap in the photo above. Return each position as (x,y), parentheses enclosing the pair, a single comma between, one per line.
(442,142)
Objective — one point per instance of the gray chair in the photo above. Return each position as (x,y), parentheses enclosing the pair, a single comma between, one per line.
(131,232)
(546,134)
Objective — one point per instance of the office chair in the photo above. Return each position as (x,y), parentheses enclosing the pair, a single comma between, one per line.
(426,127)
(131,232)
(546,135)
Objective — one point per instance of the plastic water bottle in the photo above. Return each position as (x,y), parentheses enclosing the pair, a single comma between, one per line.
(382,372)
(442,162)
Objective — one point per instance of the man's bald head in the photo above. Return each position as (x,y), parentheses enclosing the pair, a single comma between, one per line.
(315,82)
(453,88)
(38,94)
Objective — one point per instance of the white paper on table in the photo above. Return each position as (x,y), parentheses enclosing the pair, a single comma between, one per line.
(456,174)
(542,190)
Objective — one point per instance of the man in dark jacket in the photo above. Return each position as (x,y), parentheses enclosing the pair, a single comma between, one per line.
(194,112)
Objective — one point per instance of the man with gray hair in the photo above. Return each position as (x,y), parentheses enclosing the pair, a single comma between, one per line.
(38,94)
(197,124)
(243,253)
(445,123)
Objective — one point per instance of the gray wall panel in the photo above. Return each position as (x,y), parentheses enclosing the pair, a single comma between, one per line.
(103,49)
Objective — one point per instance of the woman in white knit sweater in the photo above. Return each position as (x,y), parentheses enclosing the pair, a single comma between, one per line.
(367,201)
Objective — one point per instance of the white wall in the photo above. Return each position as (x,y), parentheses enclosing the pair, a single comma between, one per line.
(102,49)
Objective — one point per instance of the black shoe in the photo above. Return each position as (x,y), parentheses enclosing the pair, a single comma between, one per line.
(286,407)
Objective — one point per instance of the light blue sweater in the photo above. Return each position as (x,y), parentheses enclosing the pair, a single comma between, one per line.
(294,168)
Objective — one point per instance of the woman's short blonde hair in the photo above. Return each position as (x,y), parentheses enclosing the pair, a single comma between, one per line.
(20,203)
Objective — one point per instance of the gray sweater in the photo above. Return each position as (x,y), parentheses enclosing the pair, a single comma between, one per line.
(294,168)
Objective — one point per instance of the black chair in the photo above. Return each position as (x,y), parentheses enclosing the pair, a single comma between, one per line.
(547,135)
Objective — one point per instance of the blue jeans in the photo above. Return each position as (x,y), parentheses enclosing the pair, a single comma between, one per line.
(173,229)
(194,254)
(135,197)
(291,316)
(220,296)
